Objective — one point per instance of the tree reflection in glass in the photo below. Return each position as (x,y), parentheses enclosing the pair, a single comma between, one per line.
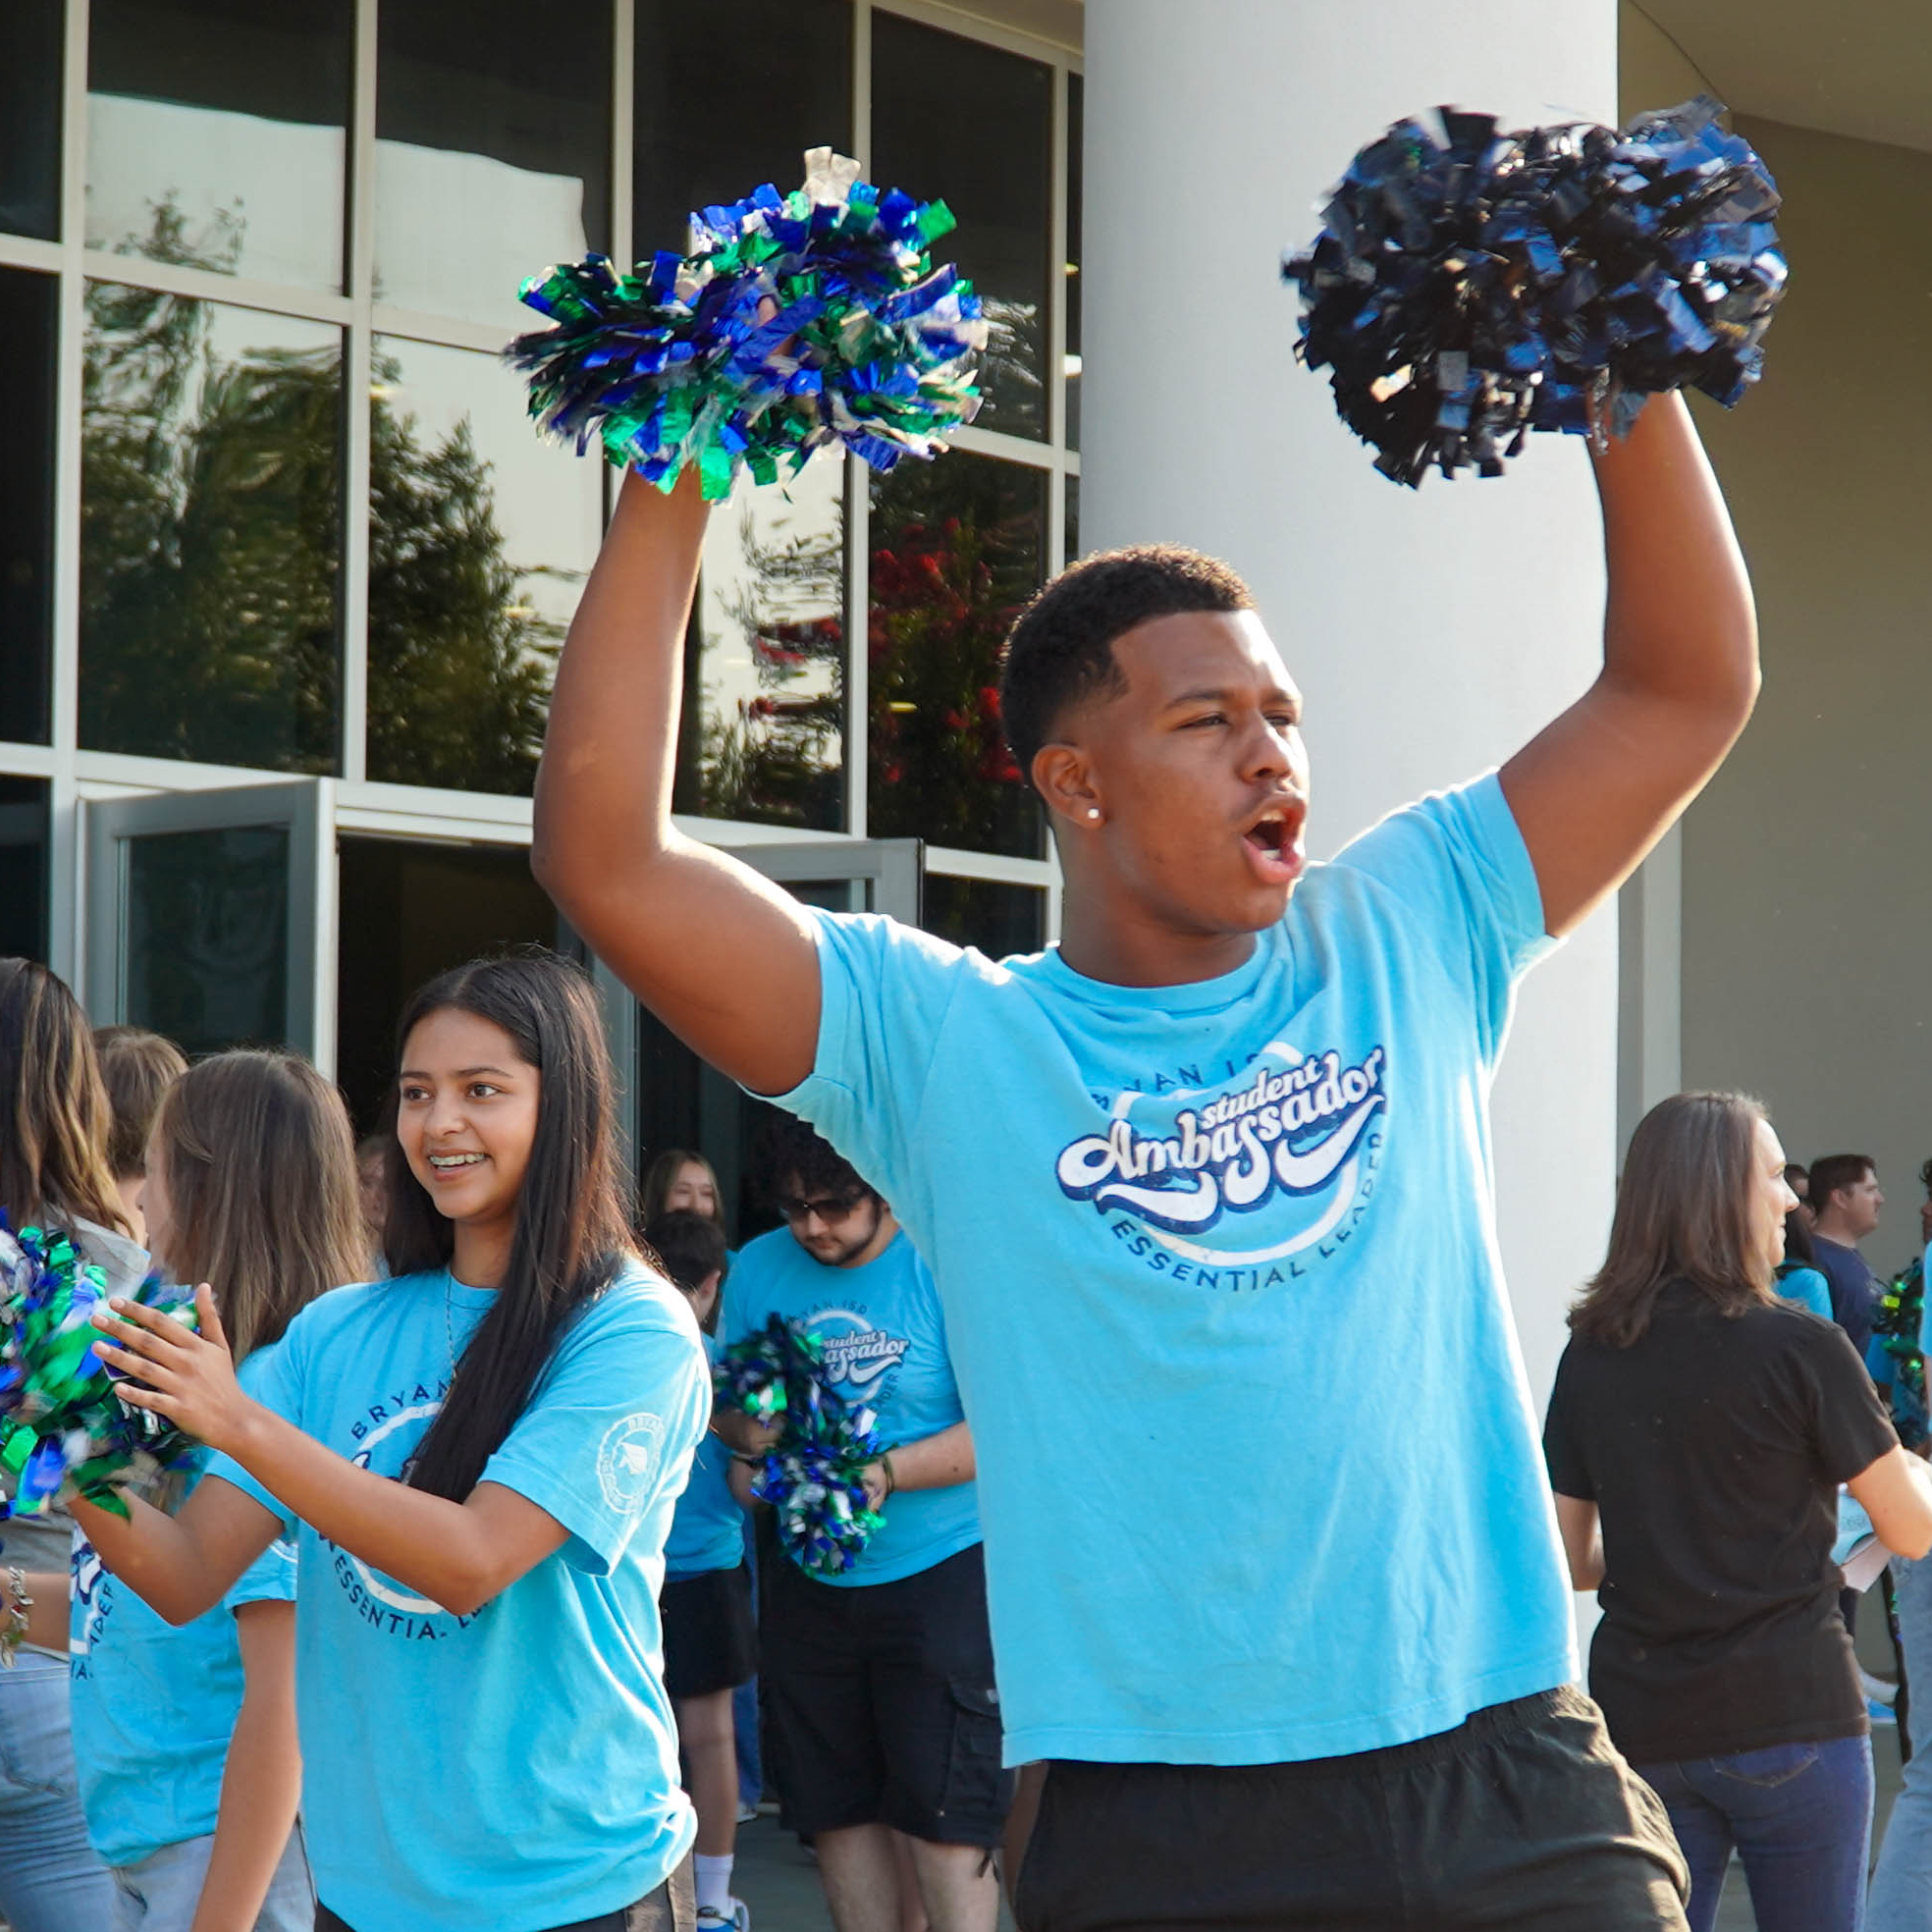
(211,527)
(211,546)
(480,539)
(957,545)
(762,732)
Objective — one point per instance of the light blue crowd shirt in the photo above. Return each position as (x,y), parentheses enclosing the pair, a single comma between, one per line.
(707,1531)
(1257,1466)
(154,1704)
(885,1347)
(517,1768)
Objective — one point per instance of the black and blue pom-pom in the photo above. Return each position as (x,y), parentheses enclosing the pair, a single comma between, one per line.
(1469,285)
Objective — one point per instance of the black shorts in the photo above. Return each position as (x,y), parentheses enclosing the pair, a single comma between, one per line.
(882,1704)
(1522,1817)
(710,1636)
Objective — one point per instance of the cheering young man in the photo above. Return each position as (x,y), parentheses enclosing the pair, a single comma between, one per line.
(1206,1192)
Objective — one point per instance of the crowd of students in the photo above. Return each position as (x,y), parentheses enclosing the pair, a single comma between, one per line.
(1169,1258)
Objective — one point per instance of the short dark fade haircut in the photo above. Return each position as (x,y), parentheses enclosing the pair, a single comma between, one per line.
(1060,648)
(789,1148)
(1835,1171)
(690,1246)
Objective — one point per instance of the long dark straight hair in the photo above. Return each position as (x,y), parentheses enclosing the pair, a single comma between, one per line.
(573,1232)
(1684,1213)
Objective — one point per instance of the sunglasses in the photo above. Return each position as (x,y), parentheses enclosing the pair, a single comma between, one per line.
(826,1206)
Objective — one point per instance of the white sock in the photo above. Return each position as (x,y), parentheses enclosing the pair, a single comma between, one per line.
(714,1880)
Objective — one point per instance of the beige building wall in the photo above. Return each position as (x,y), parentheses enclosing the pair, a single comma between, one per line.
(1807,899)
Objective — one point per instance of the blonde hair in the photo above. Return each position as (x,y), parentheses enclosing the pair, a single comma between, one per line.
(259,1159)
(53,1107)
(136,1067)
(661,1176)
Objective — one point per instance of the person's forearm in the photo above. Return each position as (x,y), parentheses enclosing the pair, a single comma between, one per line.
(610,749)
(260,1795)
(435,1546)
(1679,620)
(155,1555)
(936,1462)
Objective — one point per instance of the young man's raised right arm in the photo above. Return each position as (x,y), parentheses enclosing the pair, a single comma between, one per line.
(720,955)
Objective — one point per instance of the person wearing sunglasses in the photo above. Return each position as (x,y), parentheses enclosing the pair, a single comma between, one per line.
(879,1682)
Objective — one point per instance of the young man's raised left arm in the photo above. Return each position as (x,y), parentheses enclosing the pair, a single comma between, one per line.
(1595,789)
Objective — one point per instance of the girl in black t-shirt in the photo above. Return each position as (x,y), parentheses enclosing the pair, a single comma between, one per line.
(1698,1434)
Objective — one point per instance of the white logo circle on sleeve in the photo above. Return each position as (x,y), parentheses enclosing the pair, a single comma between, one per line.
(627,1461)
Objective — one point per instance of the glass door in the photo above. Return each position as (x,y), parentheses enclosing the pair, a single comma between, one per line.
(210,916)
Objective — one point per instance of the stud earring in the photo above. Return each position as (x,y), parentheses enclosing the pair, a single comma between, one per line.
(1093,811)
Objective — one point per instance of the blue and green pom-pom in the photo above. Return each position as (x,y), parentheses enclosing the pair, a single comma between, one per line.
(814,1478)
(1469,284)
(796,321)
(64,1432)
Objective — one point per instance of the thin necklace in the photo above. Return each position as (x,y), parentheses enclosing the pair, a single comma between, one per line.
(449,1323)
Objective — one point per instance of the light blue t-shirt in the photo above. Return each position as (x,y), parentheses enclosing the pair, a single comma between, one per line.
(885,1345)
(517,1768)
(707,1531)
(1181,1233)
(1808,1289)
(154,1705)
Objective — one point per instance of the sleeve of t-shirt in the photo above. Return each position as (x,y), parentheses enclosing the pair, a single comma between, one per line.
(1849,1423)
(884,990)
(269,1579)
(609,1427)
(1562,1453)
(1456,864)
(272,1377)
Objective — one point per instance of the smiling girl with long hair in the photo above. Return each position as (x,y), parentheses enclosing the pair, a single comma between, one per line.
(479,1457)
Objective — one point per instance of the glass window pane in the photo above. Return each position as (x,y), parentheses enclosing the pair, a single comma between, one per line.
(957,545)
(958,122)
(987,913)
(27,324)
(30,118)
(480,538)
(24,816)
(216,134)
(1072,549)
(207,937)
(762,732)
(493,151)
(210,532)
(790,80)
(1075,134)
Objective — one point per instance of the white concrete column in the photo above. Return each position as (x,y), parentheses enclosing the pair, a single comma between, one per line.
(1434,632)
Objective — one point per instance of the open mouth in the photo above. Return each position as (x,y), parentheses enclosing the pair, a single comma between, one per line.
(454,1164)
(1275,847)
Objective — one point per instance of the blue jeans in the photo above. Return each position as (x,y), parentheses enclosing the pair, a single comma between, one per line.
(1799,1816)
(159,1893)
(1902,1886)
(50,1880)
